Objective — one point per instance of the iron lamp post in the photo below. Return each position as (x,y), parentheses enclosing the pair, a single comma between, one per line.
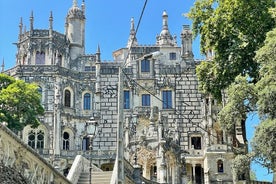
(91,128)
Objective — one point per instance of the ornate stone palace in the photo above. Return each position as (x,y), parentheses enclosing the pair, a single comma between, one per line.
(168,127)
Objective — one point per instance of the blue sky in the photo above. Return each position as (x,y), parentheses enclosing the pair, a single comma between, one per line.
(107,24)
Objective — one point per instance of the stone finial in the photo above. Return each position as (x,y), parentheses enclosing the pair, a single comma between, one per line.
(3,66)
(75,3)
(132,40)
(20,28)
(32,21)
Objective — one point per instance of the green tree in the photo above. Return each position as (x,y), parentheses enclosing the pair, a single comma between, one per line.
(234,30)
(20,103)
(242,99)
(264,141)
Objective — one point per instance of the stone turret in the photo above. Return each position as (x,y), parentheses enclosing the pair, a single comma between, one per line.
(75,29)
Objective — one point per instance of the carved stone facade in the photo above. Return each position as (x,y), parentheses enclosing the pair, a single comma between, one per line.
(21,164)
(169,126)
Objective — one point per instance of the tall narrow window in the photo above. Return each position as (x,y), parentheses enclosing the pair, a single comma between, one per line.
(220,166)
(145,100)
(40,140)
(66,141)
(67,98)
(167,99)
(87,101)
(40,58)
(31,139)
(145,65)
(85,144)
(126,100)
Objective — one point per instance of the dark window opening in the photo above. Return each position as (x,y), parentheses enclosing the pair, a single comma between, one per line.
(67,100)
(126,100)
(220,166)
(40,140)
(31,139)
(196,142)
(66,139)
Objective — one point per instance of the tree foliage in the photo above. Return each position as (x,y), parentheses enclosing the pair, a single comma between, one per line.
(234,30)
(242,99)
(264,142)
(266,86)
(20,103)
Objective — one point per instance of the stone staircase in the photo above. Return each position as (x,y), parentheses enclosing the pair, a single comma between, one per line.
(99,177)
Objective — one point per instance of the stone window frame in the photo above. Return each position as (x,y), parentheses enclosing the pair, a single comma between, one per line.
(191,144)
(68,102)
(70,140)
(41,128)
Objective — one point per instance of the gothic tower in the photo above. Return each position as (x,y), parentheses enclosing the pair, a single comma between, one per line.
(75,29)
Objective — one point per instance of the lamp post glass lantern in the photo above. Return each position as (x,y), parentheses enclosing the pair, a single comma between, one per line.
(91,129)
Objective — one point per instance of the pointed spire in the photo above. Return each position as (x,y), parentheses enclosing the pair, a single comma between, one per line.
(83,6)
(3,66)
(165,20)
(51,21)
(98,54)
(165,38)
(132,29)
(98,49)
(32,21)
(20,28)
(132,40)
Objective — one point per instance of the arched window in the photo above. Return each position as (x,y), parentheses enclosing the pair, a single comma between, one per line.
(66,139)
(40,58)
(36,139)
(67,98)
(220,166)
(87,101)
(31,139)
(40,140)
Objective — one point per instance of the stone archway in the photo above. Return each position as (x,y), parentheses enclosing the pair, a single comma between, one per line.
(146,159)
(11,175)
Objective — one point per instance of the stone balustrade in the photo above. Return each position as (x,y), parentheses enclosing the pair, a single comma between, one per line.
(15,154)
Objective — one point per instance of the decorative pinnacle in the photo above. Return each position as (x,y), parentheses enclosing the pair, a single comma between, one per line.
(75,3)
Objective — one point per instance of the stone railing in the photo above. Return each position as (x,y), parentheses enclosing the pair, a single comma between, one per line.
(80,165)
(14,153)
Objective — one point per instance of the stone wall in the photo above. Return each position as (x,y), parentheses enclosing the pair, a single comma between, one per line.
(27,164)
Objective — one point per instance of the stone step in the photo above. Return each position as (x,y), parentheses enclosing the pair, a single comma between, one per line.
(97,177)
